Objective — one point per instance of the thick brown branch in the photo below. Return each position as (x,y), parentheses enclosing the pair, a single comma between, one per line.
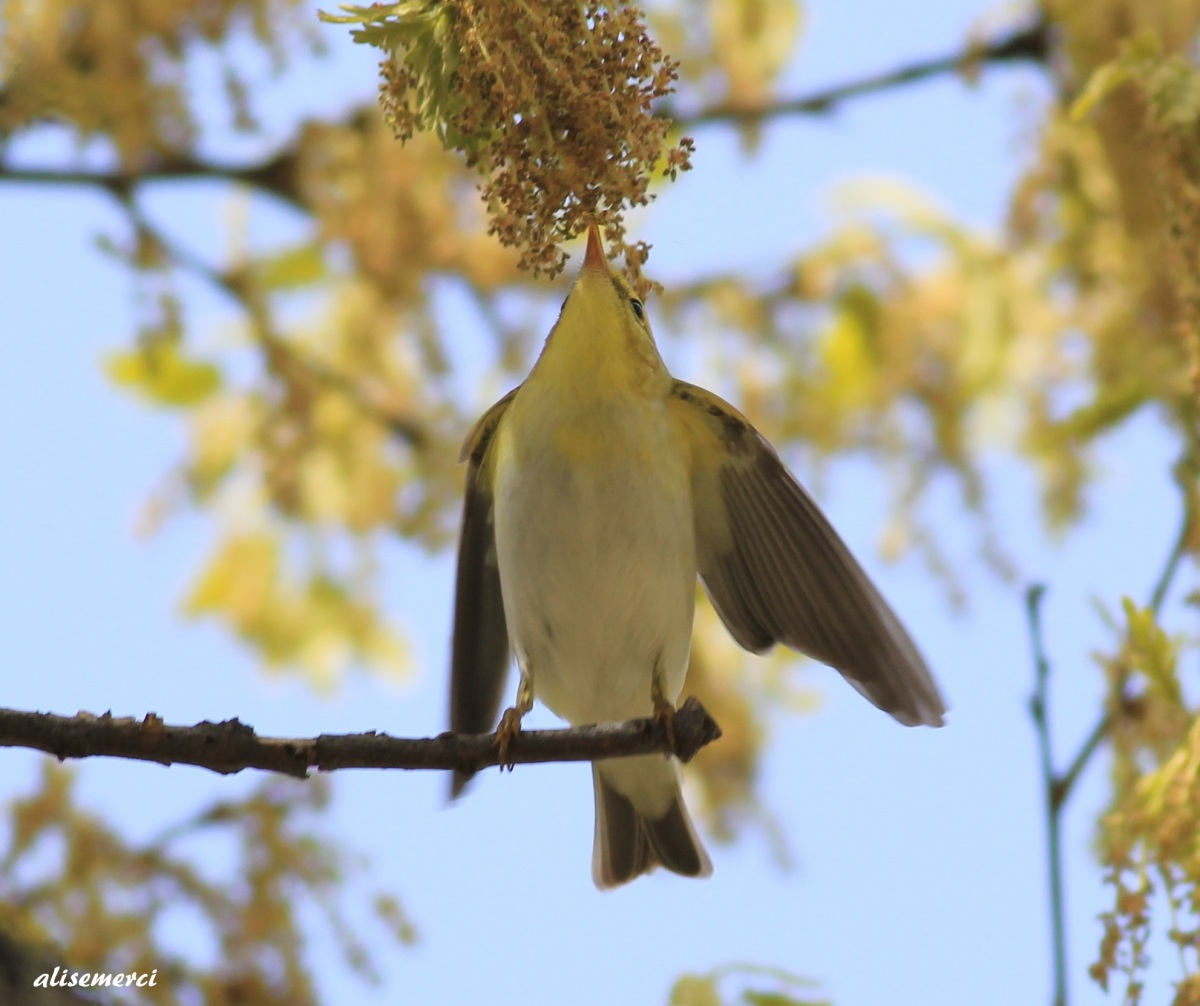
(232,746)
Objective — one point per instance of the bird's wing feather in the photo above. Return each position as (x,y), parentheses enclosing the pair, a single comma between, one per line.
(480,652)
(776,571)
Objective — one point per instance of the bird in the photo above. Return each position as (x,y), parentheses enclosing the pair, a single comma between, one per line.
(597,491)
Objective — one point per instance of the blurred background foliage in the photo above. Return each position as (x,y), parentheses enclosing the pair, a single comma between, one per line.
(331,417)
(105,904)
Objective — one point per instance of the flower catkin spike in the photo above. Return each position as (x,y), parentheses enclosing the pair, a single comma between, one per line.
(550,101)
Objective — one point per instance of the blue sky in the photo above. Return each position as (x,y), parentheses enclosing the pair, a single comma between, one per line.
(918,871)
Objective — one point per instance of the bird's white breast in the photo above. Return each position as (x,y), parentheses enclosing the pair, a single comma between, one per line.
(596,549)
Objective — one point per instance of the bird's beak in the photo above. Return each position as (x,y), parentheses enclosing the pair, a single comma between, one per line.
(594,259)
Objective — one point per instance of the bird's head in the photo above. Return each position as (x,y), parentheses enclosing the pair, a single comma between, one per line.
(602,314)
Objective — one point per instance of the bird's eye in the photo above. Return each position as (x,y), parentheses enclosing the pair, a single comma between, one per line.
(637,308)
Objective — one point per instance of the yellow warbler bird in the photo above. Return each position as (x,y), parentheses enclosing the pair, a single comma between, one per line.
(596,492)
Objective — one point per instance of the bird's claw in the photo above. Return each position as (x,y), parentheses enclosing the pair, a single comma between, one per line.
(510,726)
(664,720)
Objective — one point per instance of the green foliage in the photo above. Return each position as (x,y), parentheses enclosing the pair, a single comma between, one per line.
(297,267)
(1150,89)
(549,103)
(117,75)
(1149,832)
(744,983)
(162,375)
(316,624)
(419,34)
(315,439)
(1140,57)
(66,876)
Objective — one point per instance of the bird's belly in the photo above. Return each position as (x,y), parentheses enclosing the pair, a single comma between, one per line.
(598,572)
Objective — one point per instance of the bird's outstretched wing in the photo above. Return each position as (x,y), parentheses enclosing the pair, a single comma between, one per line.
(776,571)
(479,660)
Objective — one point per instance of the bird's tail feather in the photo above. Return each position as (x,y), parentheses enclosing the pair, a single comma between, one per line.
(642,822)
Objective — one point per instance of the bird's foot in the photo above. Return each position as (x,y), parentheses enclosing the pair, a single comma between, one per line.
(510,726)
(664,708)
(510,722)
(664,720)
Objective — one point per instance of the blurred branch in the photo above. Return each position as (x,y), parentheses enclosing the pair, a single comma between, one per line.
(275,175)
(1030,45)
(1065,783)
(232,746)
(234,284)
(409,430)
(1057,787)
(1167,576)
(1039,709)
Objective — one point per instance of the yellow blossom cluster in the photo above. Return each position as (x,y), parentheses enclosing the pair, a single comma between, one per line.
(551,102)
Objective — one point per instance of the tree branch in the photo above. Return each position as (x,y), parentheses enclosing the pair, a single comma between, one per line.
(232,746)
(1030,44)
(233,284)
(277,174)
(1057,788)
(1039,709)
(1065,783)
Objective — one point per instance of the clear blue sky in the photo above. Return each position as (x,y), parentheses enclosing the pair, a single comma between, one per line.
(919,872)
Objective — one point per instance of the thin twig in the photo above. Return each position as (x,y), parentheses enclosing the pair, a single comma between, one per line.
(1065,783)
(1027,45)
(1167,577)
(1059,787)
(1039,708)
(232,746)
(233,285)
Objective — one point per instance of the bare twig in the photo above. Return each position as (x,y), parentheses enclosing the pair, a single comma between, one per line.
(1171,566)
(1065,783)
(232,746)
(1039,709)
(1057,788)
(1027,45)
